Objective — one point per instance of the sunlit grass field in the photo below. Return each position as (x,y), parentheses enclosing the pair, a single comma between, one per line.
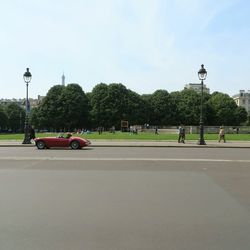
(130,136)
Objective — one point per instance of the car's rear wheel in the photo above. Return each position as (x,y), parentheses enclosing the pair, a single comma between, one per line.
(40,145)
(75,145)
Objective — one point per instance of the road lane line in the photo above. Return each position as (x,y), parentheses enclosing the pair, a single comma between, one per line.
(15,158)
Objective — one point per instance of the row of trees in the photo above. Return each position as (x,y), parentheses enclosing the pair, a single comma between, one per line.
(68,107)
(12,117)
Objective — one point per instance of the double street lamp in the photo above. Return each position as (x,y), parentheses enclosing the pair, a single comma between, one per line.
(202,74)
(27,78)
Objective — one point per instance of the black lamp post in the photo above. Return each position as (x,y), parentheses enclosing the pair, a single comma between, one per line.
(27,78)
(202,74)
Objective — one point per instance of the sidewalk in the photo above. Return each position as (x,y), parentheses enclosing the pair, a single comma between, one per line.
(140,143)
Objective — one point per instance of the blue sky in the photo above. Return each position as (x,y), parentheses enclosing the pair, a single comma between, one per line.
(144,44)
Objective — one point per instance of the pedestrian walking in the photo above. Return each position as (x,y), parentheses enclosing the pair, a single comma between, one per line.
(32,133)
(222,134)
(99,129)
(181,137)
(156,130)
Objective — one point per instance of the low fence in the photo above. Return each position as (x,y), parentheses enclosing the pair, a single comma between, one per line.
(196,129)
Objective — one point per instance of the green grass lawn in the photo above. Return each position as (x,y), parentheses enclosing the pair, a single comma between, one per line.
(130,136)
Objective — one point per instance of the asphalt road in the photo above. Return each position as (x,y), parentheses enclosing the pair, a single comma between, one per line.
(125,198)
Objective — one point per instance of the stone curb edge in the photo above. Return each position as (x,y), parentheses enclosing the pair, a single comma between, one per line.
(142,146)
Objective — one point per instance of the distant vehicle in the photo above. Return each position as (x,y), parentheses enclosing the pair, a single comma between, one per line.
(61,141)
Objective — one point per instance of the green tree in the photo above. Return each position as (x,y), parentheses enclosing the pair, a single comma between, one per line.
(98,103)
(137,109)
(114,102)
(186,105)
(224,109)
(117,104)
(63,108)
(50,112)
(16,116)
(241,115)
(148,109)
(3,119)
(75,107)
(125,105)
(161,106)
(34,118)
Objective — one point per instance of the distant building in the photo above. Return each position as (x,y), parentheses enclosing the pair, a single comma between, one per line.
(22,101)
(242,99)
(39,99)
(197,87)
(5,101)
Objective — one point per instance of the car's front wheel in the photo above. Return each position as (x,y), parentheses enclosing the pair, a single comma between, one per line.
(40,145)
(75,145)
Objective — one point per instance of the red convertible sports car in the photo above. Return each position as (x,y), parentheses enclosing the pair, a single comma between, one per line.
(60,141)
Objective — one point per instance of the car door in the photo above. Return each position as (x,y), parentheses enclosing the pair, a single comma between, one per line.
(62,142)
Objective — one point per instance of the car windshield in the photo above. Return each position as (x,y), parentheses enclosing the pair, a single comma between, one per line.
(61,135)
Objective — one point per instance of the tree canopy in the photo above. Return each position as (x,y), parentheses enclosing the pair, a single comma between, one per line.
(225,110)
(16,116)
(112,103)
(69,108)
(63,108)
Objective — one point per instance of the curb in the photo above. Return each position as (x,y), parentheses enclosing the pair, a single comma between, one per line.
(166,146)
(122,145)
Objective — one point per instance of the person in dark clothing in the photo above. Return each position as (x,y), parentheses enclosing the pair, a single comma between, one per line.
(156,130)
(32,133)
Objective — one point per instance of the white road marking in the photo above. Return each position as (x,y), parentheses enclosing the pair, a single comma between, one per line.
(13,158)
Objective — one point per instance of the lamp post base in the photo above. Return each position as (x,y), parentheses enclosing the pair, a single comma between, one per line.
(26,139)
(201,142)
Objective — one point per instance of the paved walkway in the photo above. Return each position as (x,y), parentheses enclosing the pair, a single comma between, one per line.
(140,143)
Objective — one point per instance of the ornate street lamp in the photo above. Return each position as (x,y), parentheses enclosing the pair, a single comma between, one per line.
(27,78)
(202,74)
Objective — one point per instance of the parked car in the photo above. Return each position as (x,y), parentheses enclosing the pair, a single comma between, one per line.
(62,141)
